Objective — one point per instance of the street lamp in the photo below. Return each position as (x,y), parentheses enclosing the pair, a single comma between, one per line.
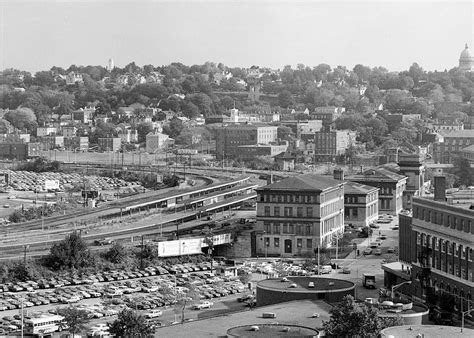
(398,285)
(462,317)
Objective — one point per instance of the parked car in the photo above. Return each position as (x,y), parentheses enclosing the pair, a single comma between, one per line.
(368,251)
(378,252)
(203,305)
(153,314)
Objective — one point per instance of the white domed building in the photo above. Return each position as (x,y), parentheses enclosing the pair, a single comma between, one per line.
(466,60)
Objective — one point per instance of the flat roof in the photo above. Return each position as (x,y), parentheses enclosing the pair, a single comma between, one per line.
(290,313)
(273,330)
(320,284)
(432,331)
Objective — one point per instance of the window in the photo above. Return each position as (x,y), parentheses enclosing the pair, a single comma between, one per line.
(288,211)
(299,229)
(299,212)
(276,228)
(267,227)
(267,241)
(276,211)
(299,242)
(266,211)
(309,230)
(309,212)
(309,243)
(291,229)
(276,242)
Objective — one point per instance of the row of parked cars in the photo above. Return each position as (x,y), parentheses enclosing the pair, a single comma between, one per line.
(31,181)
(84,286)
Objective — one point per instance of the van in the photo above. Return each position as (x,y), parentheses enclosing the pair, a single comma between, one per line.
(326,269)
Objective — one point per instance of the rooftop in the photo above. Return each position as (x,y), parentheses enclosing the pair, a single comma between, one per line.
(320,284)
(305,182)
(291,313)
(461,133)
(432,331)
(377,175)
(272,330)
(357,188)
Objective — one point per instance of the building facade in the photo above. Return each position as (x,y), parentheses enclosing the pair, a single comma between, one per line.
(391,188)
(109,143)
(230,138)
(442,242)
(361,204)
(454,142)
(298,214)
(249,152)
(412,166)
(330,144)
(156,142)
(76,143)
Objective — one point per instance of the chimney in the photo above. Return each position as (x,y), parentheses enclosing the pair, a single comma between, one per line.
(338,174)
(440,188)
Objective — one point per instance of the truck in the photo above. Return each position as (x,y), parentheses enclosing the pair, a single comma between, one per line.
(368,280)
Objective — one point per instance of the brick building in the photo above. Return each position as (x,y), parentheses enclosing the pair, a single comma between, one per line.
(436,245)
(447,151)
(298,214)
(330,144)
(80,143)
(391,187)
(109,143)
(249,152)
(230,138)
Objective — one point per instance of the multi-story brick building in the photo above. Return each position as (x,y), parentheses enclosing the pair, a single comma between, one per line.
(391,187)
(361,205)
(298,214)
(447,151)
(157,141)
(327,114)
(109,143)
(76,143)
(230,138)
(69,131)
(249,152)
(51,142)
(330,144)
(436,246)
(300,127)
(46,131)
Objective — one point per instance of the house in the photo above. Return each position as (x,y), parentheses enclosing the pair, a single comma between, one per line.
(285,161)
(454,142)
(46,131)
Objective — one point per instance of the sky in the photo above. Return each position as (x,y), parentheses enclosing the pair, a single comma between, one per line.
(37,35)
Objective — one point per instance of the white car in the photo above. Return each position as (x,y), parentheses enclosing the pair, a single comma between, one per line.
(153,314)
(203,305)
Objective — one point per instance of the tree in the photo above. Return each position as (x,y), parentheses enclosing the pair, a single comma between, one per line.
(284,132)
(70,253)
(75,319)
(462,169)
(22,118)
(116,254)
(174,128)
(351,319)
(143,129)
(130,323)
(185,297)
(285,99)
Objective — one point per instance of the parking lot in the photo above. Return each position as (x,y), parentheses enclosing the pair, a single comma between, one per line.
(104,294)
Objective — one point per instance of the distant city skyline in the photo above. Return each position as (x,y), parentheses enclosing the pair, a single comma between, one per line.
(37,35)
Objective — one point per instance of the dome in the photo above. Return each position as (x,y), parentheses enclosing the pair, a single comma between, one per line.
(465,54)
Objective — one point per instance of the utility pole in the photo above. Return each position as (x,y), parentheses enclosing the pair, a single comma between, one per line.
(141,255)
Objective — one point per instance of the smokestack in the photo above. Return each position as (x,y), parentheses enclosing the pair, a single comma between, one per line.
(440,188)
(338,174)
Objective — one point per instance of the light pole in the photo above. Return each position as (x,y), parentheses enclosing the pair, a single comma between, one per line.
(25,247)
(397,286)
(462,317)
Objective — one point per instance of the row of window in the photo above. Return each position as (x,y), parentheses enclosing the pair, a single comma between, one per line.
(444,246)
(288,198)
(288,228)
(288,212)
(441,218)
(299,242)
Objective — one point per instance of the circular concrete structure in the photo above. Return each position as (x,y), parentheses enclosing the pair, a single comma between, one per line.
(278,290)
(416,315)
(272,330)
(432,331)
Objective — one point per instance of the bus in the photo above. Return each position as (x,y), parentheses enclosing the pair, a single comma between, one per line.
(44,324)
